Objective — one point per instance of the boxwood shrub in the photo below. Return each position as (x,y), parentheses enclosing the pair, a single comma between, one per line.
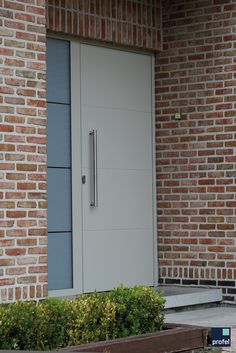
(55,323)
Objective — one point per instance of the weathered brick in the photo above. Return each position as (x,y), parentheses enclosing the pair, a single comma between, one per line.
(15,251)
(7,262)
(15,271)
(38,269)
(26,36)
(14,62)
(6,32)
(26,204)
(27,280)
(27,242)
(26,186)
(100,28)
(16,214)
(26,92)
(16,232)
(7,281)
(14,101)
(186,67)
(15,176)
(20,46)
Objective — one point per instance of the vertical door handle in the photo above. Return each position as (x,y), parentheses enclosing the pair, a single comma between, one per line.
(94,176)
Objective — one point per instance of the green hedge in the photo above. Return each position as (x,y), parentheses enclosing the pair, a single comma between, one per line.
(55,323)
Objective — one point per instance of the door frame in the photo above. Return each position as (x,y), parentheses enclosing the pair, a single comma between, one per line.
(76,150)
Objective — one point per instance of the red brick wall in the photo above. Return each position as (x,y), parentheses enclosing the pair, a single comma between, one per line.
(23,270)
(133,23)
(195,76)
(23,208)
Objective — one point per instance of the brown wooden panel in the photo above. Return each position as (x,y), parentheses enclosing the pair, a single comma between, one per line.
(174,338)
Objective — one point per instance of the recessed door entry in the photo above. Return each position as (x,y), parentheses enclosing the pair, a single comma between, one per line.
(115,188)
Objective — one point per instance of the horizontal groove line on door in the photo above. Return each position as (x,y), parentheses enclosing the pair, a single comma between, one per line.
(115,229)
(115,108)
(124,169)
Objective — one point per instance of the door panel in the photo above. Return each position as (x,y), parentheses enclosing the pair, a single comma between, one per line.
(108,260)
(59,260)
(59,199)
(59,165)
(123,200)
(118,234)
(124,131)
(114,78)
(58,71)
(112,94)
(58,129)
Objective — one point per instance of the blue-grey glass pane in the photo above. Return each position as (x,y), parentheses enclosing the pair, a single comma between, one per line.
(59,200)
(58,130)
(58,71)
(60,261)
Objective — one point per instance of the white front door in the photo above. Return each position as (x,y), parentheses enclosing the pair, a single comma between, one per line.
(116,104)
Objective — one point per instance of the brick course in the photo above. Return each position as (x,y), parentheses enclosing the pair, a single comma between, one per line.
(133,23)
(22,150)
(195,76)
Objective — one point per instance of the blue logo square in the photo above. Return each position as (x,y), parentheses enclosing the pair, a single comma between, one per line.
(221,337)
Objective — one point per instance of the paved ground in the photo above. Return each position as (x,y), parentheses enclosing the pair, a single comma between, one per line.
(209,317)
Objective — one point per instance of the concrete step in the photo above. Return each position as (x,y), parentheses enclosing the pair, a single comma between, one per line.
(181,296)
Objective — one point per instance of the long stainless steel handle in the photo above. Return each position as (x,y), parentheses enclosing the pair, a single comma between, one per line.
(94,176)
